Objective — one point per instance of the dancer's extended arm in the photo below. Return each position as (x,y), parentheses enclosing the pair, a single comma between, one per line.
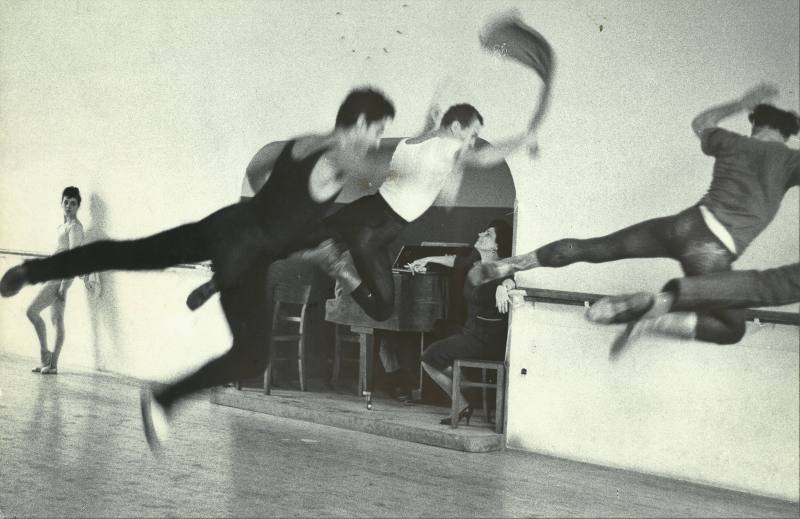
(711,117)
(497,153)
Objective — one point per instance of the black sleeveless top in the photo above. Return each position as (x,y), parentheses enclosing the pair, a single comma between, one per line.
(285,199)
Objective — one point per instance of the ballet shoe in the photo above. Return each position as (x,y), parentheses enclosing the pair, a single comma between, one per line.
(680,325)
(13,280)
(200,295)
(155,420)
(465,414)
(44,359)
(620,309)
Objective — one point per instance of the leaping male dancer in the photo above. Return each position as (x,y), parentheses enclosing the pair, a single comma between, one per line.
(750,177)
(241,240)
(353,243)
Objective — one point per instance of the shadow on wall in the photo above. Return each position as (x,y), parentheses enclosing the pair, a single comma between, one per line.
(103,303)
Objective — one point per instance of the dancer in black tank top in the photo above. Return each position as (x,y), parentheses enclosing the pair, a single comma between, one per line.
(305,175)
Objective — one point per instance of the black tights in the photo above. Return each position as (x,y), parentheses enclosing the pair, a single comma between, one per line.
(366,227)
(683,237)
(245,308)
(232,238)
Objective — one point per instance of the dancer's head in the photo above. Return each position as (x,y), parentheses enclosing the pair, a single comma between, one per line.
(363,117)
(70,201)
(768,116)
(496,237)
(463,121)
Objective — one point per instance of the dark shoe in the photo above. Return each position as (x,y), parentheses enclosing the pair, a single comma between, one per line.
(465,413)
(13,281)
(200,295)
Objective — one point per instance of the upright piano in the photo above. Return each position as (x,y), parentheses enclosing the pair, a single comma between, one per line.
(420,300)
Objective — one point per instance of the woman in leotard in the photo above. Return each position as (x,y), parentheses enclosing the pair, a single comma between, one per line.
(54,293)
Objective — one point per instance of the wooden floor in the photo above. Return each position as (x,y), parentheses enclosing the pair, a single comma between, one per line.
(71,445)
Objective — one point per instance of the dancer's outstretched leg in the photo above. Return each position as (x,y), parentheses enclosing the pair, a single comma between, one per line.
(245,307)
(648,239)
(184,244)
(702,254)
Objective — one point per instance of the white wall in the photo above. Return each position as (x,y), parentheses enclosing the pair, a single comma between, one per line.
(720,415)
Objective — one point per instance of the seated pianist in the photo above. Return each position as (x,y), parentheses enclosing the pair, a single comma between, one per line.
(482,336)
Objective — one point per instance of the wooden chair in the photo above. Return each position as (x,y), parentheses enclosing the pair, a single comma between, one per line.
(344,336)
(285,300)
(499,386)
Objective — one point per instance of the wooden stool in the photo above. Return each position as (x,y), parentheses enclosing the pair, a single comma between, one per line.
(343,335)
(284,295)
(499,386)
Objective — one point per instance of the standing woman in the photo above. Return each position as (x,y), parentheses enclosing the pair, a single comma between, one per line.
(54,293)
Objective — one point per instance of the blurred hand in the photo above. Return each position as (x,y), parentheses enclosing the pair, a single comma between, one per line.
(531,143)
(758,94)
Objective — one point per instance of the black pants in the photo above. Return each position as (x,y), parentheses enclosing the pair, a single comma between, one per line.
(245,307)
(366,227)
(684,237)
(737,289)
(233,238)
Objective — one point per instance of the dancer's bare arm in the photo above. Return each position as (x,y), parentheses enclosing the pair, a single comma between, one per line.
(420,265)
(710,118)
(496,153)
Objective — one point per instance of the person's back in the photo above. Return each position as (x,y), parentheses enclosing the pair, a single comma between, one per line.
(287,193)
(750,178)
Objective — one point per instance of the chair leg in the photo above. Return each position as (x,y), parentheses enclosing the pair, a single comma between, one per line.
(362,364)
(300,356)
(500,400)
(484,395)
(337,360)
(267,377)
(455,396)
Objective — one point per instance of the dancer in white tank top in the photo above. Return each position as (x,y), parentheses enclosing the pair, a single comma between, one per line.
(420,168)
(54,293)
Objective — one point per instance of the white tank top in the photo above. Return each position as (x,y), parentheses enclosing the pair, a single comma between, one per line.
(418,173)
(63,235)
